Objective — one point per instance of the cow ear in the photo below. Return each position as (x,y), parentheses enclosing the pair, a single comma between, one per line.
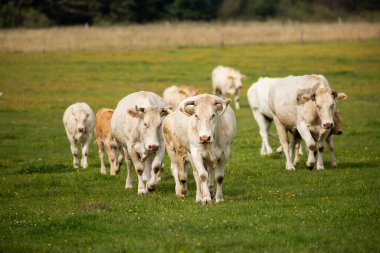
(187,108)
(136,112)
(341,96)
(165,111)
(181,91)
(308,97)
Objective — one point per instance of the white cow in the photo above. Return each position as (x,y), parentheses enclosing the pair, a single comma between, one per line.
(304,105)
(258,100)
(227,81)
(200,132)
(136,125)
(257,96)
(78,120)
(173,95)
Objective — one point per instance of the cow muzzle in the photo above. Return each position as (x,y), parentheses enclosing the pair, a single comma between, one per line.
(80,129)
(204,139)
(328,125)
(153,147)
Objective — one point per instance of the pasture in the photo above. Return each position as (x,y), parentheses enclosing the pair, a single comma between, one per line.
(47,206)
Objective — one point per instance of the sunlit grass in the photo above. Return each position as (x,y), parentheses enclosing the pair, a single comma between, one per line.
(47,206)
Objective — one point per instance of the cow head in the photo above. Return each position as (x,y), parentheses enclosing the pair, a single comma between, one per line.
(235,83)
(188,91)
(203,111)
(325,102)
(150,120)
(80,117)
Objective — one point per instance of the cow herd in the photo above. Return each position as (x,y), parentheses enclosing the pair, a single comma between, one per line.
(198,129)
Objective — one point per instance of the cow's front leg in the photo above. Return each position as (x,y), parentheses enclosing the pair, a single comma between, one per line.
(236,98)
(322,138)
(85,152)
(219,175)
(74,152)
(306,135)
(155,167)
(202,175)
(211,180)
(129,163)
(139,167)
(283,135)
(330,144)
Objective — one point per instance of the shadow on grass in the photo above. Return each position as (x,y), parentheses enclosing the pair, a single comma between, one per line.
(45,168)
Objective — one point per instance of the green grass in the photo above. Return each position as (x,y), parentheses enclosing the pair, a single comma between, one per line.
(47,206)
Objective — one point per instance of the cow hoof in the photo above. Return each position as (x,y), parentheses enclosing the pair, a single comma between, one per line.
(220,200)
(180,195)
(206,200)
(320,168)
(141,192)
(151,188)
(310,166)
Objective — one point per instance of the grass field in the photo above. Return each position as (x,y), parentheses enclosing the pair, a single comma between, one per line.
(47,206)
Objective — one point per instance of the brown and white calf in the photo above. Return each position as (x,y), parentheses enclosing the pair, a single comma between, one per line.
(173,95)
(200,132)
(304,106)
(105,140)
(136,125)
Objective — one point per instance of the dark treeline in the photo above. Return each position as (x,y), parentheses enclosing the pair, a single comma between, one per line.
(44,13)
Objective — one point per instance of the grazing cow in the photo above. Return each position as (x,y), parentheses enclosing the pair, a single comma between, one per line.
(136,125)
(227,82)
(78,120)
(200,132)
(303,105)
(105,140)
(173,95)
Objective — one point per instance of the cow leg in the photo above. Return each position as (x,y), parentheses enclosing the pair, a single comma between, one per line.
(198,194)
(236,98)
(320,155)
(310,143)
(155,167)
(283,135)
(74,152)
(119,153)
(85,152)
(330,145)
(211,180)
(305,133)
(111,157)
(320,149)
(101,156)
(264,125)
(128,161)
(297,143)
(219,174)
(202,174)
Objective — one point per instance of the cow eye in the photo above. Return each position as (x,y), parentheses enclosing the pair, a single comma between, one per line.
(318,107)
(196,116)
(213,116)
(145,125)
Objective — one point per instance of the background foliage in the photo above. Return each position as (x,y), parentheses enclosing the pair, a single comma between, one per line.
(44,13)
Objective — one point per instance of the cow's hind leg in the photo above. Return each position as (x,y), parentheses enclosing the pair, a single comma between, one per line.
(264,125)
(101,156)
(283,135)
